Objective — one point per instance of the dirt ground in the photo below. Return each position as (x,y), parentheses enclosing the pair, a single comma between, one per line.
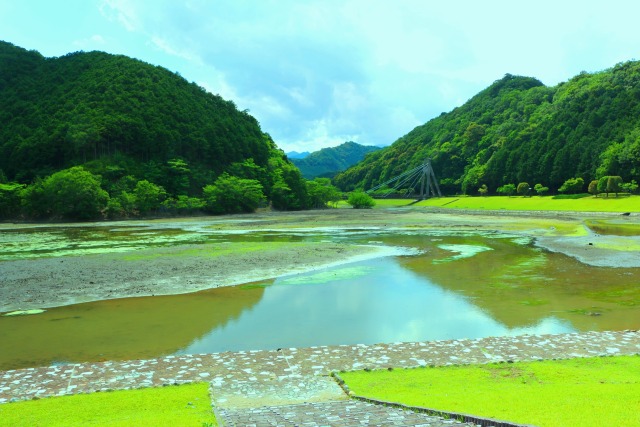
(49,282)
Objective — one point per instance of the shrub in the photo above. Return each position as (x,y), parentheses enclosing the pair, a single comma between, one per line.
(507,189)
(230,194)
(572,186)
(524,189)
(72,193)
(593,187)
(541,190)
(361,200)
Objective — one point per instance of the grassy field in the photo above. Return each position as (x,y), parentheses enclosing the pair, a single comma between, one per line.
(184,405)
(574,392)
(535,203)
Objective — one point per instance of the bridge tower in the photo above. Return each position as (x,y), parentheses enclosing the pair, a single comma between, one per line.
(428,182)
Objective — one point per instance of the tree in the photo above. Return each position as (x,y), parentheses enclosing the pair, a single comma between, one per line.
(630,187)
(184,204)
(10,199)
(614,184)
(524,189)
(177,177)
(148,196)
(572,186)
(69,194)
(321,193)
(507,189)
(361,200)
(593,187)
(541,190)
(602,185)
(483,190)
(230,194)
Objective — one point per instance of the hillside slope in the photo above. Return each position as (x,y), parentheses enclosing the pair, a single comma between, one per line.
(518,130)
(117,116)
(329,161)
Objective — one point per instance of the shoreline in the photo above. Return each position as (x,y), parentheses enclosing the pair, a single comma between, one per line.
(48,282)
(54,282)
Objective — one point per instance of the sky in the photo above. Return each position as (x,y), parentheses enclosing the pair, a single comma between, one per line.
(318,73)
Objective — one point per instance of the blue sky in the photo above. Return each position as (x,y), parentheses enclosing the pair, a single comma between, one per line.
(318,73)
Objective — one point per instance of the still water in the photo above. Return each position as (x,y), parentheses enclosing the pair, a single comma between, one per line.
(462,285)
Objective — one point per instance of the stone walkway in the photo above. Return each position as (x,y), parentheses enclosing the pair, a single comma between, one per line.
(291,387)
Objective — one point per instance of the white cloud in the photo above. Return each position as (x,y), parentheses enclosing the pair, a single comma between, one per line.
(183,53)
(122,11)
(317,73)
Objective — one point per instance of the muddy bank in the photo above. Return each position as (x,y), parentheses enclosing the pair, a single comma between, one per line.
(55,281)
(51,282)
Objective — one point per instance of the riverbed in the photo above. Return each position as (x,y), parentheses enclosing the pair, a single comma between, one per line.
(139,289)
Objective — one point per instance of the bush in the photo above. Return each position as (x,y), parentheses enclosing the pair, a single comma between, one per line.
(572,186)
(541,190)
(524,189)
(361,200)
(230,194)
(70,194)
(507,190)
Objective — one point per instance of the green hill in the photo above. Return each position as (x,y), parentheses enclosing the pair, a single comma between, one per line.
(123,119)
(518,130)
(329,161)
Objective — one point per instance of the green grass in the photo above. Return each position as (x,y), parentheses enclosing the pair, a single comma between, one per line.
(586,204)
(565,393)
(184,405)
(548,203)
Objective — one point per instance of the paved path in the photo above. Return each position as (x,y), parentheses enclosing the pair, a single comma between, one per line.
(267,386)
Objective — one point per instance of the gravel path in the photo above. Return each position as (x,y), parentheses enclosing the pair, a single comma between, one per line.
(289,386)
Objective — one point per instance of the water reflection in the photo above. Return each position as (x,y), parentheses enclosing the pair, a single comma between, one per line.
(118,329)
(383,303)
(464,285)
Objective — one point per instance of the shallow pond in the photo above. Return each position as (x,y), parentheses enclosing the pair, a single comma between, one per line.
(462,285)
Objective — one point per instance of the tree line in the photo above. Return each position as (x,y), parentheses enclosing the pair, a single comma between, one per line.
(78,194)
(92,135)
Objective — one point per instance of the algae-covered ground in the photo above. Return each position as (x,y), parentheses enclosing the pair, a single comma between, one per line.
(54,265)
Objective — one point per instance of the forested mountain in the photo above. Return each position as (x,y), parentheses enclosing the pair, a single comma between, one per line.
(127,121)
(329,161)
(518,130)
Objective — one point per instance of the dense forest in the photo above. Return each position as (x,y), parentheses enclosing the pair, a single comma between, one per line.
(329,161)
(131,137)
(519,130)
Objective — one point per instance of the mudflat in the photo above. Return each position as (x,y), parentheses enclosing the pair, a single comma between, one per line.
(55,281)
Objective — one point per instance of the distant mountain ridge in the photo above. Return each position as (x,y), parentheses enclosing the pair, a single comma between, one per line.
(297,155)
(519,130)
(329,161)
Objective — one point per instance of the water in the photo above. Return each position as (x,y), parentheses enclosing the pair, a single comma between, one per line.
(463,285)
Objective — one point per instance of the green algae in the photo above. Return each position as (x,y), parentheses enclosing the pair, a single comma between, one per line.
(625,296)
(615,228)
(345,273)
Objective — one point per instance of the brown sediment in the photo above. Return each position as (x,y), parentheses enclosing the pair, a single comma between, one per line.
(56,281)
